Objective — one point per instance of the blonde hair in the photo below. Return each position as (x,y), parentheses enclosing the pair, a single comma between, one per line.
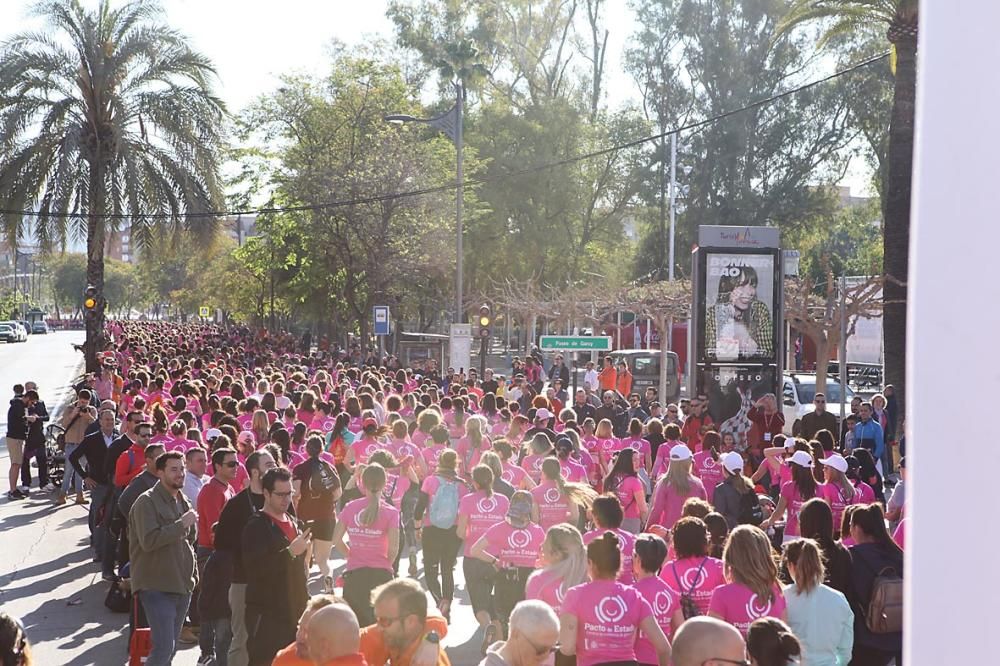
(741,484)
(578,493)
(474,430)
(678,476)
(260,425)
(750,561)
(565,540)
(807,558)
(373,479)
(400,429)
(604,426)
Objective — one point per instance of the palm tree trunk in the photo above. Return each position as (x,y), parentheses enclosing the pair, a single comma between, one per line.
(95,264)
(896,237)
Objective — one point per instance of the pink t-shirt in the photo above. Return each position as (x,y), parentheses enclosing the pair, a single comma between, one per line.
(481,514)
(668,503)
(513,475)
(573,471)
(467,456)
(709,471)
(626,544)
(513,546)
(181,444)
(369,544)
(430,486)
(794,504)
(547,586)
(835,497)
(626,491)
(867,494)
(419,437)
(739,606)
(431,455)
(396,486)
(640,445)
(688,576)
(608,615)
(533,466)
(363,449)
(664,603)
(553,507)
(662,460)
(605,448)
(245,421)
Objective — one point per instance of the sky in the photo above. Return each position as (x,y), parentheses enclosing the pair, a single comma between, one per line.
(254,42)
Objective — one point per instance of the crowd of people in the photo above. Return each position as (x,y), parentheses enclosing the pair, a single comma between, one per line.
(225,467)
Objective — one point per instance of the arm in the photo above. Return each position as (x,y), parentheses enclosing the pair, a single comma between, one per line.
(422,503)
(567,634)
(676,620)
(534,512)
(122,470)
(651,630)
(152,536)
(462,526)
(261,551)
(574,513)
(296,494)
(74,459)
(640,501)
(338,539)
(658,505)
(480,551)
(779,511)
(845,646)
(393,543)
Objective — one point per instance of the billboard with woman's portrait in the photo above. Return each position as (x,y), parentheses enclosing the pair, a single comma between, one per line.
(739,305)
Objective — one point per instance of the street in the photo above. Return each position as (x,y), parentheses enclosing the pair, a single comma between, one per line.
(46,574)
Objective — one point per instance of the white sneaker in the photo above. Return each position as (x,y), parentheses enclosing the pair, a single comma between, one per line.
(24,489)
(49,488)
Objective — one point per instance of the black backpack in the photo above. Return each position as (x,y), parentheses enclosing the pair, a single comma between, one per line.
(323,480)
(750,511)
(688,606)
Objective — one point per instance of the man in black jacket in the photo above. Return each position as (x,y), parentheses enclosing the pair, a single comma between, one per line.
(34,445)
(273,552)
(559,371)
(228,539)
(17,432)
(95,447)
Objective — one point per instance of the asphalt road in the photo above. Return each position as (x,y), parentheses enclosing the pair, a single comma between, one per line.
(46,574)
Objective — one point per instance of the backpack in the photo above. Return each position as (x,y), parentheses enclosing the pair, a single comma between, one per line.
(444,506)
(884,613)
(750,511)
(323,480)
(688,606)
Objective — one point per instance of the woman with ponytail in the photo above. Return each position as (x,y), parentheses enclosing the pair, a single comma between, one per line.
(368,443)
(557,501)
(372,528)
(707,463)
(564,565)
(650,552)
(819,615)
(770,642)
(752,591)
(838,491)
(674,488)
(602,620)
(873,554)
(623,480)
(794,494)
(473,444)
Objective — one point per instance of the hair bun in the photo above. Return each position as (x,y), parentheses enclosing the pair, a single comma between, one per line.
(611,538)
(790,644)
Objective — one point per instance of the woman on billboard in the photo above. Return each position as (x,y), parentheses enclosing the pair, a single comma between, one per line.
(739,324)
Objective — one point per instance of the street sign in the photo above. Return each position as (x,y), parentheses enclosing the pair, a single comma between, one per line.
(381,320)
(575,343)
(460,347)
(203,312)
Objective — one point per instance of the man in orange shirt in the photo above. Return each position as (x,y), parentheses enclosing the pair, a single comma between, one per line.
(608,378)
(623,381)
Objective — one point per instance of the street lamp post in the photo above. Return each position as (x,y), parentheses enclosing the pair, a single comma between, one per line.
(451,124)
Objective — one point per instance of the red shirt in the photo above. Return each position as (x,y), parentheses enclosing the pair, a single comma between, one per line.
(287,526)
(768,425)
(211,498)
(691,432)
(129,465)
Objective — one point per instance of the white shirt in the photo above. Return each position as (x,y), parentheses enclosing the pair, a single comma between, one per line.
(192,486)
(590,378)
(282,402)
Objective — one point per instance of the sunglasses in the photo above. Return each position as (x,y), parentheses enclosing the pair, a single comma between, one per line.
(740,662)
(231,464)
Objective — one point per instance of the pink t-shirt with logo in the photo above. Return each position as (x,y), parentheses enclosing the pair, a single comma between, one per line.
(608,615)
(481,514)
(181,444)
(663,457)
(739,606)
(369,543)
(626,544)
(533,466)
(546,586)
(694,579)
(553,507)
(467,453)
(573,471)
(709,471)
(605,448)
(396,486)
(626,491)
(431,455)
(513,475)
(363,449)
(668,503)
(513,546)
(245,420)
(794,502)
(835,497)
(664,602)
(640,445)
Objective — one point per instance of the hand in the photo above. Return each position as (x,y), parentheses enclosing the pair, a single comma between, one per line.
(189,518)
(426,654)
(301,543)
(90,483)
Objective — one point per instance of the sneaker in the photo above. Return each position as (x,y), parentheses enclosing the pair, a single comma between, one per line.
(206,660)
(48,488)
(24,489)
(187,637)
(14,495)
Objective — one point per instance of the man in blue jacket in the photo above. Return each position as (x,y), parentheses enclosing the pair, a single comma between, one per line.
(868,432)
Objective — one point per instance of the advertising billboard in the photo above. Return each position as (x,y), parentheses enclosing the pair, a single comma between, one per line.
(732,390)
(738,308)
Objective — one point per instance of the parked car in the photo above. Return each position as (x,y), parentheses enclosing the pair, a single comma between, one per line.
(39,327)
(20,335)
(798,391)
(645,367)
(25,325)
(8,333)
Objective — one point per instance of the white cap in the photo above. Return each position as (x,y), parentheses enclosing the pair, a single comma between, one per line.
(680,452)
(837,462)
(802,459)
(789,442)
(732,461)
(212,433)
(543,414)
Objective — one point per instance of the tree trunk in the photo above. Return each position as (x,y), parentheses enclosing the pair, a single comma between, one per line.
(896,238)
(95,265)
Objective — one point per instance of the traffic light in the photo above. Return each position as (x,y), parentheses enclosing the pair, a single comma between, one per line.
(485,321)
(90,301)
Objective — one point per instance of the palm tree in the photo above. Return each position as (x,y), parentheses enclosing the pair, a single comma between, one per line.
(900,18)
(107,121)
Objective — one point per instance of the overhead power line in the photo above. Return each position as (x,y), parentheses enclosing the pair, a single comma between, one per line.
(469,181)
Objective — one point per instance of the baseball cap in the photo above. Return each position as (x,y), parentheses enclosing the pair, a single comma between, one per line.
(245,437)
(836,461)
(789,442)
(680,452)
(212,433)
(543,414)
(369,422)
(732,461)
(802,459)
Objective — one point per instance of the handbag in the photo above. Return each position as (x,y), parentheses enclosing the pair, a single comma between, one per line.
(118,599)
(61,437)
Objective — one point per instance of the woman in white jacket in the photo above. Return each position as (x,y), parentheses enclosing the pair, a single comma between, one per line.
(820,616)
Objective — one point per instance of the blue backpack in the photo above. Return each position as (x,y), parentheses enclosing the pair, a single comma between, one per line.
(444,505)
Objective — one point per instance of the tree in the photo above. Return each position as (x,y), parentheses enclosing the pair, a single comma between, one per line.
(901,19)
(66,272)
(107,117)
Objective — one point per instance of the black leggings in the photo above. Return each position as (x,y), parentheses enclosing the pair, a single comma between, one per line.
(440,553)
(510,591)
(358,586)
(479,580)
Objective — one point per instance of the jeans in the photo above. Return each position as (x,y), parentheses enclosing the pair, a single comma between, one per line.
(358,586)
(220,633)
(238,655)
(38,453)
(97,521)
(71,480)
(440,553)
(165,613)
